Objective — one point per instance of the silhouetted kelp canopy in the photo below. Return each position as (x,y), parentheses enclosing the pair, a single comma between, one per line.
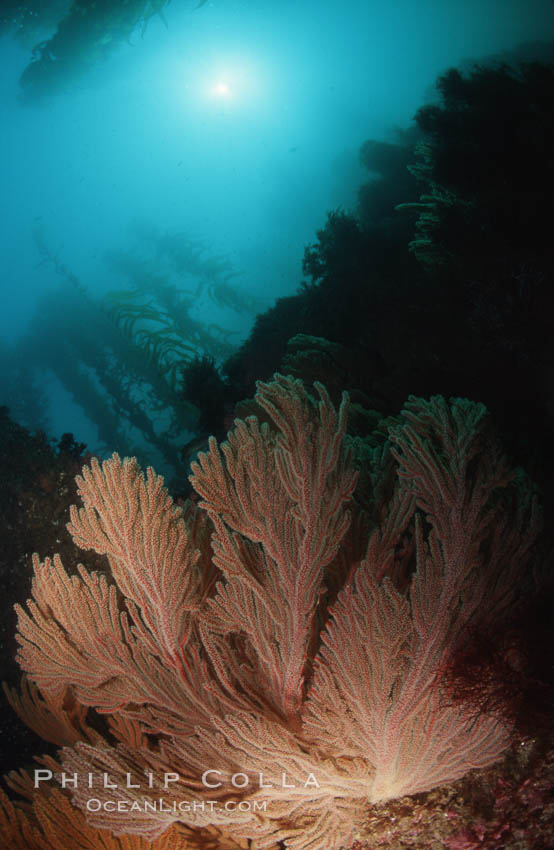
(85,32)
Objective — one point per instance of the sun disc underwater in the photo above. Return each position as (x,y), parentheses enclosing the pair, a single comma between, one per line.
(221,89)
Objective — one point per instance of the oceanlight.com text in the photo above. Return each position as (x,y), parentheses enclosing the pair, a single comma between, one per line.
(175,806)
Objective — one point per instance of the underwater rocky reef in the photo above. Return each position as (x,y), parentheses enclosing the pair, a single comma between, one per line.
(345,612)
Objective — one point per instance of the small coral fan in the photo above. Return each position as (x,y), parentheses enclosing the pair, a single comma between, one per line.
(505,667)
